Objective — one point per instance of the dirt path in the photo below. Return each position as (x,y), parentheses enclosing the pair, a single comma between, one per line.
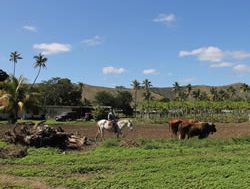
(153,131)
(11,181)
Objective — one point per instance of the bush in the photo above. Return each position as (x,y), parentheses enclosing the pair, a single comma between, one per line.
(100,113)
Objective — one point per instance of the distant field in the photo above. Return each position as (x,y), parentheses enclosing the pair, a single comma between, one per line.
(137,164)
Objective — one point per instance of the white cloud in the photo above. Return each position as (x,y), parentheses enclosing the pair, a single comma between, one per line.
(94,41)
(112,70)
(30,28)
(165,18)
(212,54)
(222,65)
(241,68)
(150,71)
(52,48)
(238,54)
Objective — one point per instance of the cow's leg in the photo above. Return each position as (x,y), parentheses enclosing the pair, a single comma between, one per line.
(182,134)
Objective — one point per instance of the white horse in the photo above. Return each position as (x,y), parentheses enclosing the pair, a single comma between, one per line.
(107,125)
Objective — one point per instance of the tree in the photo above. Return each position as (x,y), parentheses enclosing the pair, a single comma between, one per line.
(81,88)
(189,89)
(40,63)
(104,98)
(60,91)
(3,75)
(214,93)
(14,57)
(244,89)
(231,91)
(136,86)
(123,100)
(16,98)
(223,95)
(196,94)
(176,89)
(147,94)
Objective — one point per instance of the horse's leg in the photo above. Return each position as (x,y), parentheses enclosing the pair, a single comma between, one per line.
(97,134)
(119,133)
(102,134)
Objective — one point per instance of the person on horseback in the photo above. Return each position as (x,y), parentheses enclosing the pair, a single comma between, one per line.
(112,119)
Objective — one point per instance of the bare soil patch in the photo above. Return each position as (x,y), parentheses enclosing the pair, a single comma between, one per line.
(151,131)
(36,183)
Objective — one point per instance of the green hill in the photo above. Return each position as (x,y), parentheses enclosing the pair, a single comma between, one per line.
(158,93)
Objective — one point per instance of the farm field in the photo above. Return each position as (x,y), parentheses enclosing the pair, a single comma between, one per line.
(151,131)
(146,158)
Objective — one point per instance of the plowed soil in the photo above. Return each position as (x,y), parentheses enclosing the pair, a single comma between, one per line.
(152,131)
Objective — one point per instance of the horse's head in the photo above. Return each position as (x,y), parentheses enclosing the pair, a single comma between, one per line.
(130,125)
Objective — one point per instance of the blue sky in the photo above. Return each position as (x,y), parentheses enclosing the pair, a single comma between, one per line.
(112,42)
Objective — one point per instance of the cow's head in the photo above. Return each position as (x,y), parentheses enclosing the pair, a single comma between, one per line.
(212,128)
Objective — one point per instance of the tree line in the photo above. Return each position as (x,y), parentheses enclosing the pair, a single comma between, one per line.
(16,95)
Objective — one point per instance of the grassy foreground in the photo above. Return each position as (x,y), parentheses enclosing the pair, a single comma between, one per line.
(152,164)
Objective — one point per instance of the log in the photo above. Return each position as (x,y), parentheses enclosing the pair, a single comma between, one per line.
(40,135)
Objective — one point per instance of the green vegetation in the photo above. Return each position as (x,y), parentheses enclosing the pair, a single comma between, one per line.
(154,164)
(16,98)
(221,111)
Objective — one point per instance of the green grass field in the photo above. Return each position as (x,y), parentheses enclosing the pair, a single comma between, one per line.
(152,164)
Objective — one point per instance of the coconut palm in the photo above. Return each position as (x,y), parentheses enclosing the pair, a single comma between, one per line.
(15,98)
(176,89)
(147,94)
(189,89)
(136,85)
(40,63)
(14,57)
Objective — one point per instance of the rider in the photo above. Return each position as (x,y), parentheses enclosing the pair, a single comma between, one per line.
(112,118)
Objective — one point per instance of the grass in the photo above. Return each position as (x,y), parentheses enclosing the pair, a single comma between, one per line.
(154,164)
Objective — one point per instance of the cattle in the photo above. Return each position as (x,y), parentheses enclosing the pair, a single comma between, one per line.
(200,129)
(175,123)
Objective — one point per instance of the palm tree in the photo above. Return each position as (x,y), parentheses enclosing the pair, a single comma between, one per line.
(189,89)
(83,99)
(14,56)
(176,89)
(136,85)
(147,94)
(41,63)
(16,98)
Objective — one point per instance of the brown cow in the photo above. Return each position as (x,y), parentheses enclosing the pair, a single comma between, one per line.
(200,129)
(175,123)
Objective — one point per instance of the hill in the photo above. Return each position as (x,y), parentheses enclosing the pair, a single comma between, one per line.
(158,93)
(90,91)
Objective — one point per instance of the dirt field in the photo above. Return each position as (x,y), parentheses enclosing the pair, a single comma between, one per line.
(153,131)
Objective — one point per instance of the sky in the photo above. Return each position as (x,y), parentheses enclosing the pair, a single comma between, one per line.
(113,42)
